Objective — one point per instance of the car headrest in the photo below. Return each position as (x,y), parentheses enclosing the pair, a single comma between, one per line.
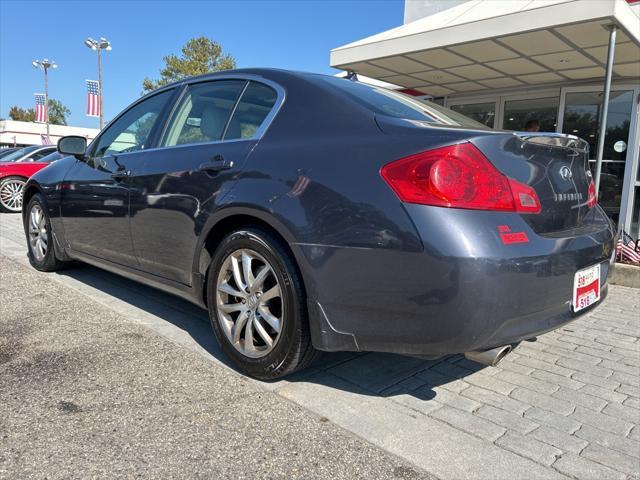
(234,130)
(212,122)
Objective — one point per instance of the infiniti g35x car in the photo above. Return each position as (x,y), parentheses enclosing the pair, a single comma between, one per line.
(310,213)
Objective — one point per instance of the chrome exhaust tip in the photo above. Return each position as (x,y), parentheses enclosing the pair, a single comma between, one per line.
(489,357)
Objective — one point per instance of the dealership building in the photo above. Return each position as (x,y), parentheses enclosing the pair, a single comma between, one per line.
(508,63)
(22,134)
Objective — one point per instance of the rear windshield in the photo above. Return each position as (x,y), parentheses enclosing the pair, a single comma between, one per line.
(398,105)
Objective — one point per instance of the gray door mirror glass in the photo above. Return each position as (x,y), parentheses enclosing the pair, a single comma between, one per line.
(72,145)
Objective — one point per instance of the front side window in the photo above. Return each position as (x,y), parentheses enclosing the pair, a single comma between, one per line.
(203,112)
(131,131)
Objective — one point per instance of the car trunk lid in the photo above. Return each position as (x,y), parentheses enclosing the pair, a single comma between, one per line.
(555,165)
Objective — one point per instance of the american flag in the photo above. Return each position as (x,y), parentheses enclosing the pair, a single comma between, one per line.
(41,108)
(45,139)
(627,249)
(93,99)
(299,186)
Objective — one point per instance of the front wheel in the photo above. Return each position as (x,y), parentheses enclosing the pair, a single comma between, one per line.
(257,305)
(11,189)
(37,227)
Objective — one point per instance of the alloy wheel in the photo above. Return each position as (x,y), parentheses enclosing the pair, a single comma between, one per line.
(11,194)
(38,236)
(249,303)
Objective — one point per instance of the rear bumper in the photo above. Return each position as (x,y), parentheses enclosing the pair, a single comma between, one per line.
(466,291)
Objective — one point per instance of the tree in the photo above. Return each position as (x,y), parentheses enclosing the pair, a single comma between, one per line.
(58,113)
(199,55)
(21,115)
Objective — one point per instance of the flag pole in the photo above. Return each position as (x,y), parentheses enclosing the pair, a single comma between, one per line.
(45,65)
(98,46)
(46,99)
(100,88)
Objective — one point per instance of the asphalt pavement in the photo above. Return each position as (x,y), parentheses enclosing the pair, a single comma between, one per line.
(85,393)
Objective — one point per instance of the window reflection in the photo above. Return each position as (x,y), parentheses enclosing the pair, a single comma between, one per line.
(611,181)
(635,217)
(533,115)
(581,115)
(480,112)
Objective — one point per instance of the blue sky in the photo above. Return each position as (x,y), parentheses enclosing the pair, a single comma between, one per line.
(285,34)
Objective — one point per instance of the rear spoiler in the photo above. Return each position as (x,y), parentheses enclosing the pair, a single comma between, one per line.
(557,140)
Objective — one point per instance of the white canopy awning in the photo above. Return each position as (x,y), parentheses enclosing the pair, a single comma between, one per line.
(486,44)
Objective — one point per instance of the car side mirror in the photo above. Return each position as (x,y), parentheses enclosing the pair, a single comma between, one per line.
(73,145)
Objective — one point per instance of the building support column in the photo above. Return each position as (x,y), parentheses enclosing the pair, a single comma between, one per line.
(605,105)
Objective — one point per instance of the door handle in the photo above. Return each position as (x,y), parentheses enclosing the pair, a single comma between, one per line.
(218,164)
(120,174)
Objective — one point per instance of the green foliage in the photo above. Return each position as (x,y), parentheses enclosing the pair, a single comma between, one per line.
(142,128)
(58,113)
(22,115)
(199,55)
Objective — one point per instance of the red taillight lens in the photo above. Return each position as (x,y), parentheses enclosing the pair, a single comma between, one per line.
(591,198)
(458,176)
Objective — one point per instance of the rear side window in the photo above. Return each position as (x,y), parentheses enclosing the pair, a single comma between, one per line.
(398,105)
(203,112)
(42,153)
(252,110)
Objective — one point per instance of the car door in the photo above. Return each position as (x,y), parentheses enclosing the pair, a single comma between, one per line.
(210,133)
(95,193)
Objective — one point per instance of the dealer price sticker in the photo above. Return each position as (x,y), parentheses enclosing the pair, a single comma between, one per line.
(586,288)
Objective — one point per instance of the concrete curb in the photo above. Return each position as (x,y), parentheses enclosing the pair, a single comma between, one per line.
(625,275)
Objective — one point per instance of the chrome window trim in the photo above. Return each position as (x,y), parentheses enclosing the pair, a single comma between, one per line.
(213,142)
(233,110)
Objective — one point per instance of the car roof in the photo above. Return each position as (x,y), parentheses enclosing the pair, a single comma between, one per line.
(261,72)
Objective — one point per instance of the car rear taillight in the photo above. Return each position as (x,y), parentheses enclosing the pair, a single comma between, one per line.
(458,176)
(591,197)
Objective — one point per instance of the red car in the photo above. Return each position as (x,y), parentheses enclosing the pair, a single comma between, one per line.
(16,168)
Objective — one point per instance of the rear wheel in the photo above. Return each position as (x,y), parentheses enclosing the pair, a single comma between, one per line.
(11,189)
(37,227)
(257,305)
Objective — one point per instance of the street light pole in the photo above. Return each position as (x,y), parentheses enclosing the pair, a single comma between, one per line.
(98,46)
(100,86)
(45,65)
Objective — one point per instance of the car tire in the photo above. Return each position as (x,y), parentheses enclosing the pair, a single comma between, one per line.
(37,227)
(251,313)
(11,190)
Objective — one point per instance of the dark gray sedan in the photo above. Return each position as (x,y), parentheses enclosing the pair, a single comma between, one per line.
(310,213)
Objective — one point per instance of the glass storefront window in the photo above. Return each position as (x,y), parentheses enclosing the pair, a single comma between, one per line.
(581,118)
(480,112)
(535,114)
(611,182)
(635,217)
